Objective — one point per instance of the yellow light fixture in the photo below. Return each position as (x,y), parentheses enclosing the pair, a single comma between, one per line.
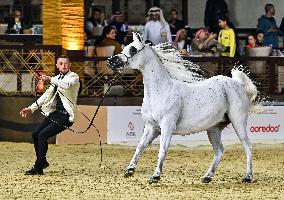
(72,24)
(63,23)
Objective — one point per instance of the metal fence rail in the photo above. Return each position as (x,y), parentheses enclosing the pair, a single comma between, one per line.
(20,63)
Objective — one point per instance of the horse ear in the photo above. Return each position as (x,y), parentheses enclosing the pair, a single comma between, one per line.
(137,37)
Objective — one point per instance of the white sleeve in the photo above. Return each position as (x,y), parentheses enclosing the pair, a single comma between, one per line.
(67,82)
(169,35)
(42,99)
(146,32)
(89,26)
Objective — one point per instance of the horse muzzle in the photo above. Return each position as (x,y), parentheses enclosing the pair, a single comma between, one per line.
(115,62)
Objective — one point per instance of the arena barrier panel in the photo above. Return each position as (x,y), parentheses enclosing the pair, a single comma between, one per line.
(125,125)
(81,123)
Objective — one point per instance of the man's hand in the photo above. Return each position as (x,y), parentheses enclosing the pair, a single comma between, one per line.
(272,29)
(25,112)
(212,36)
(45,78)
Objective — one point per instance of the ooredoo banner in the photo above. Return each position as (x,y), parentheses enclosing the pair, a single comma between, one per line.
(125,124)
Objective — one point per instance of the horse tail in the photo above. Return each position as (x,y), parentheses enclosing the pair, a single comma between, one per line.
(250,88)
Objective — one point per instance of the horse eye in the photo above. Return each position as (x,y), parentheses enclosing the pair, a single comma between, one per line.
(132,51)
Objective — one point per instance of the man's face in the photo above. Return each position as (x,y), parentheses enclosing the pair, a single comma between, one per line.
(203,35)
(63,65)
(17,14)
(173,15)
(156,17)
(119,19)
(272,11)
(182,35)
(260,37)
(97,15)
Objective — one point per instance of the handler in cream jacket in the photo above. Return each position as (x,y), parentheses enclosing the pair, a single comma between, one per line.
(59,105)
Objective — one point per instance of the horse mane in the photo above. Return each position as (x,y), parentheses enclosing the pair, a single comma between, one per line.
(177,67)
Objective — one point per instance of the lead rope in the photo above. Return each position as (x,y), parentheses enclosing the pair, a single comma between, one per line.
(91,121)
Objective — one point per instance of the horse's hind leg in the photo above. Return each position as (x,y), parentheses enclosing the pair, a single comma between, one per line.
(239,124)
(148,136)
(214,136)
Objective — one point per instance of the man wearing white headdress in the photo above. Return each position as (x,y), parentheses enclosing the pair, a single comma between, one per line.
(157,30)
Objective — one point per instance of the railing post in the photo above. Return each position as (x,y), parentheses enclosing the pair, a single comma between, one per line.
(273,79)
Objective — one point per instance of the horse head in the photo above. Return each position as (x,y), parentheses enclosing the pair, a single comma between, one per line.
(129,57)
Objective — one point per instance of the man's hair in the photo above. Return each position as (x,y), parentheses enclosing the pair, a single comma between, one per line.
(63,56)
(268,7)
(97,10)
(174,10)
(258,32)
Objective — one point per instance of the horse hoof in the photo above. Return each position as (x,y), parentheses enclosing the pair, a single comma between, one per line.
(247,180)
(129,172)
(154,179)
(206,179)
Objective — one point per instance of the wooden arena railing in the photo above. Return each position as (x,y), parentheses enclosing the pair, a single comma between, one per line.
(20,63)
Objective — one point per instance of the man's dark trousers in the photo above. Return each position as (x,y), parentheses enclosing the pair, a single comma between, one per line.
(47,129)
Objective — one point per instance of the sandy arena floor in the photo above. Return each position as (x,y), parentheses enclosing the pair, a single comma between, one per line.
(74,173)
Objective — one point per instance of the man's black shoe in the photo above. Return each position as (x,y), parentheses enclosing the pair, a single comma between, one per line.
(34,171)
(45,165)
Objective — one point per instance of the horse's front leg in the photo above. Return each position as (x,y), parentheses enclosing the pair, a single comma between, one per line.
(167,128)
(148,136)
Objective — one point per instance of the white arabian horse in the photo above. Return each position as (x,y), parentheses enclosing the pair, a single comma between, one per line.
(177,102)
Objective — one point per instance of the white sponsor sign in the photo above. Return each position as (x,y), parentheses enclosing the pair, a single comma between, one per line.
(125,124)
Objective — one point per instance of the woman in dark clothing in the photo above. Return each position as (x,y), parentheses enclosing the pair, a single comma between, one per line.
(108,39)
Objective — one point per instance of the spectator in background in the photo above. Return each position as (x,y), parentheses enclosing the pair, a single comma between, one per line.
(181,42)
(251,41)
(267,24)
(117,21)
(214,9)
(15,24)
(157,30)
(175,23)
(206,43)
(95,24)
(108,38)
(227,37)
(282,25)
(259,38)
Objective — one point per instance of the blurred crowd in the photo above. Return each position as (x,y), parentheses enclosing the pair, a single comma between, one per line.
(218,37)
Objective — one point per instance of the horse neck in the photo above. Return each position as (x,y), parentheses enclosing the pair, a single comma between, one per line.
(155,77)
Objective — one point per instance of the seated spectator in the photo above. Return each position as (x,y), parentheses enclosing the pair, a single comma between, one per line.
(267,24)
(259,38)
(282,25)
(108,39)
(117,21)
(206,42)
(181,42)
(15,24)
(227,37)
(157,30)
(175,23)
(251,41)
(95,24)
